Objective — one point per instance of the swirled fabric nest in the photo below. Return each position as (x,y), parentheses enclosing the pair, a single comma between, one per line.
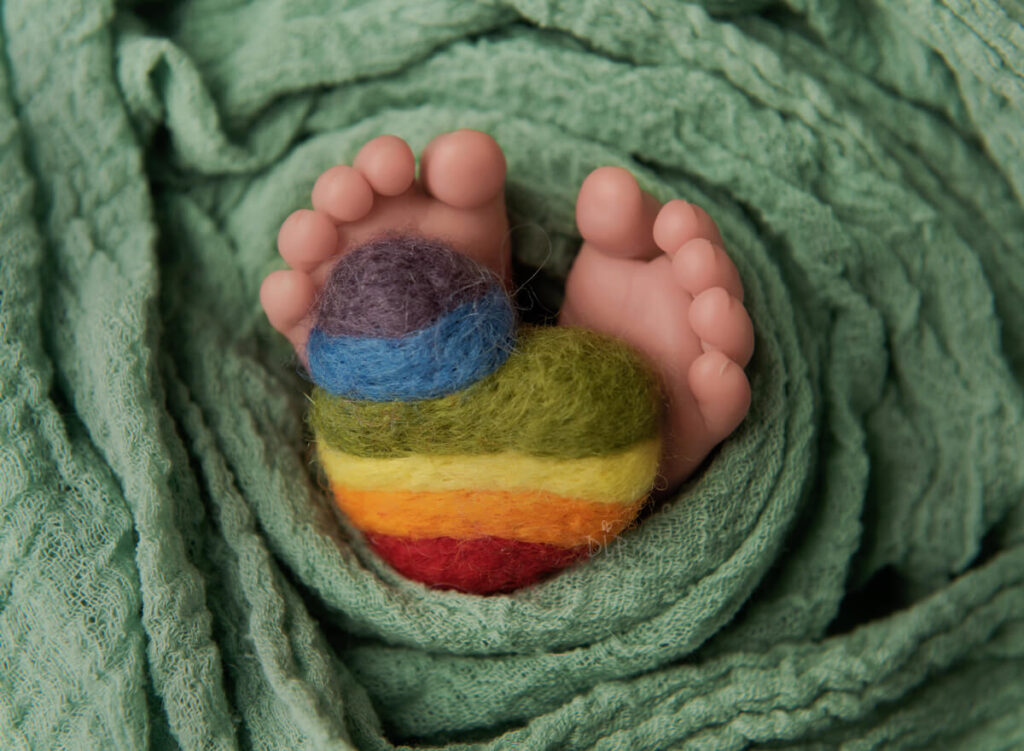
(846,571)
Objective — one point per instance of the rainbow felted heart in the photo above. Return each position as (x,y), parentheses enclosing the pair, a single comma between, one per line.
(472,454)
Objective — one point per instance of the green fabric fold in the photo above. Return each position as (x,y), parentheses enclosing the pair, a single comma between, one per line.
(846,571)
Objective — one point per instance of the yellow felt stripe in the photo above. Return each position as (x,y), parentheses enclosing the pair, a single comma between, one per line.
(530,516)
(619,477)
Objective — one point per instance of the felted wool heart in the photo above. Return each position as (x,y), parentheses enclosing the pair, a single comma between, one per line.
(473,453)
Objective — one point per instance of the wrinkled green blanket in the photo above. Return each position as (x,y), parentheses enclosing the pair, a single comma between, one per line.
(848,571)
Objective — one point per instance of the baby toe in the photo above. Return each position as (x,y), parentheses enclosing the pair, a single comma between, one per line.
(287,297)
(307,239)
(680,221)
(701,264)
(388,165)
(723,324)
(614,215)
(343,193)
(464,169)
(722,392)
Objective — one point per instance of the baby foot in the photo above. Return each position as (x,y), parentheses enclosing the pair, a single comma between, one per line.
(659,278)
(458,199)
(655,276)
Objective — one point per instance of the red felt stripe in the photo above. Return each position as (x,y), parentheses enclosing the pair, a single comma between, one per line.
(480,565)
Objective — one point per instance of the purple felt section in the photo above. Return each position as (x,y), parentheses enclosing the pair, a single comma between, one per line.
(395,285)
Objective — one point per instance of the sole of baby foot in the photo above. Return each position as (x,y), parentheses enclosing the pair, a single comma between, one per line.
(458,198)
(659,278)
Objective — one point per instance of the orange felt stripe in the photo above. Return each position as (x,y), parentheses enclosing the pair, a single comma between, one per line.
(530,516)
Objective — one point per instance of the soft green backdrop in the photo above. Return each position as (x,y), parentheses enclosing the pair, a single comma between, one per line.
(847,572)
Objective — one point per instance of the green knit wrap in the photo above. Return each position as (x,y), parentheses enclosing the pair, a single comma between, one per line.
(846,571)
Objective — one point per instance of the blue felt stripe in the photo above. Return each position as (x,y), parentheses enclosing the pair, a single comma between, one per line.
(458,349)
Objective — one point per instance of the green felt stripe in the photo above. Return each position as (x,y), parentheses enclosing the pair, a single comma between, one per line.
(563,392)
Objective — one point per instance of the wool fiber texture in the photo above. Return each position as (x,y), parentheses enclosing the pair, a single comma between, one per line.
(425,323)
(549,377)
(394,286)
(453,352)
(512,509)
(524,514)
(478,564)
(608,477)
(846,571)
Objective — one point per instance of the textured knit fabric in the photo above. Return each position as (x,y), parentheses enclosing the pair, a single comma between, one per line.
(847,571)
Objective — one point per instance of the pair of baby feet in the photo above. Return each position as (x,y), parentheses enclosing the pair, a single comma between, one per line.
(656,276)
